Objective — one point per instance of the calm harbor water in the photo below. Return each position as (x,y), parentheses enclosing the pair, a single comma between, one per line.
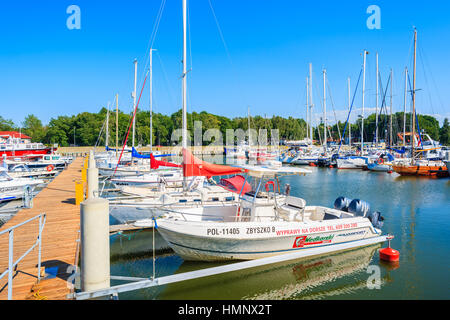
(416,212)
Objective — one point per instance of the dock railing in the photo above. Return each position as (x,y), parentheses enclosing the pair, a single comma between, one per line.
(11,263)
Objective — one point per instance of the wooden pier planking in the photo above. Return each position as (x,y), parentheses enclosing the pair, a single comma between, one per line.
(59,240)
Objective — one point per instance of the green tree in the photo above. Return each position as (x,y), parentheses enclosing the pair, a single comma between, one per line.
(444,133)
(6,125)
(32,127)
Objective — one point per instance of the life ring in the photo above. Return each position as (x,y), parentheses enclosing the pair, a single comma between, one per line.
(380,161)
(270,183)
(50,168)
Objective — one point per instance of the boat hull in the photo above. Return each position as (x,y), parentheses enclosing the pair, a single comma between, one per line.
(417,170)
(379,167)
(351,163)
(248,241)
(26,152)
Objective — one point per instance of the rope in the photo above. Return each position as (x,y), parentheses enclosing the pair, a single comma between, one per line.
(349,112)
(37,295)
(334,111)
(129,127)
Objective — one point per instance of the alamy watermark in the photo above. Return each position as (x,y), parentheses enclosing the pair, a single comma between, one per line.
(212,142)
(374,20)
(73,22)
(374,280)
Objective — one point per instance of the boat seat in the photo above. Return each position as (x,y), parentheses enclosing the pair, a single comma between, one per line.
(317,215)
(292,210)
(294,202)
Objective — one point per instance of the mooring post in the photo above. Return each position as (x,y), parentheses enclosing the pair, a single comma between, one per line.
(95,273)
(95,264)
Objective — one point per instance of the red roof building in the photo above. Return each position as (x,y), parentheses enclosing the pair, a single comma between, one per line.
(14,134)
(5,135)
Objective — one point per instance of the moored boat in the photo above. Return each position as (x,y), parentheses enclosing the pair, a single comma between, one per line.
(15,188)
(16,144)
(421,168)
(263,223)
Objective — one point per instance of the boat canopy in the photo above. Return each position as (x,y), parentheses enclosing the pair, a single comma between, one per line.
(136,154)
(194,167)
(266,171)
(236,184)
(401,151)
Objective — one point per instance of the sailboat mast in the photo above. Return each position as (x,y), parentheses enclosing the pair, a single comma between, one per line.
(390,117)
(183,89)
(117,123)
(248,125)
(107,127)
(151,100)
(414,98)
(134,100)
(404,106)
(324,112)
(307,108)
(311,101)
(363,93)
(376,108)
(349,122)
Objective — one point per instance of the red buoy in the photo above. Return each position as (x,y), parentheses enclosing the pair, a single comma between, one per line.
(331,166)
(389,254)
(312,164)
(390,171)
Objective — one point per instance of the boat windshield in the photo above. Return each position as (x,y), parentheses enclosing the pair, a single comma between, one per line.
(262,187)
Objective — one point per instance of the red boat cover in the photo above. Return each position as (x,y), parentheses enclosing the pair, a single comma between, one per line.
(155,164)
(235,184)
(194,167)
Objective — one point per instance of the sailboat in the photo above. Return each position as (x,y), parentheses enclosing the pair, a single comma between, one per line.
(358,161)
(418,165)
(175,187)
(264,222)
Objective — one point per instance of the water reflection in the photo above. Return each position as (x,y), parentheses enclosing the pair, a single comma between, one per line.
(299,279)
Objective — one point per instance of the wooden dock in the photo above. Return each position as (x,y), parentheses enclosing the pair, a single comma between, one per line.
(60,241)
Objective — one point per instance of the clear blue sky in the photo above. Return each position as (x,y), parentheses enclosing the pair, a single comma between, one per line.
(49,70)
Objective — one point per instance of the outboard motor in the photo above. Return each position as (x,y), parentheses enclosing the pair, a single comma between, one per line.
(359,208)
(376,219)
(342,204)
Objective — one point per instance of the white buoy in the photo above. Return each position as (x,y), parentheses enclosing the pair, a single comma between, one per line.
(95,264)
(92,177)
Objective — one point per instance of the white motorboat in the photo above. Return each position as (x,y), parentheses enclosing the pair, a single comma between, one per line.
(15,188)
(23,171)
(49,162)
(351,162)
(263,223)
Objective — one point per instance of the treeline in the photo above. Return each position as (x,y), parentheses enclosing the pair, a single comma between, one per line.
(84,129)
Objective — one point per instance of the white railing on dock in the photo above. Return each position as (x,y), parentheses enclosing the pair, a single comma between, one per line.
(12,264)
